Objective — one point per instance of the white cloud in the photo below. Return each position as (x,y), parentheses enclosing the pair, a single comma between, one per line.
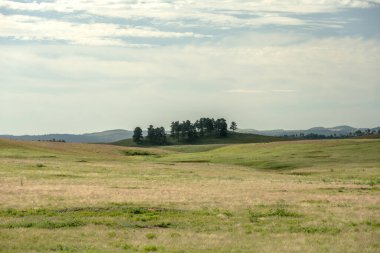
(341,63)
(35,28)
(110,86)
(185,8)
(308,79)
(179,15)
(23,27)
(220,13)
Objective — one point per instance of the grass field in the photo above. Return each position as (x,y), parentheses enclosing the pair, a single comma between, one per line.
(300,196)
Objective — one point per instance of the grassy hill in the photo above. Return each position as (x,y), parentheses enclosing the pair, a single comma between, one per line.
(232,138)
(99,137)
(280,155)
(299,196)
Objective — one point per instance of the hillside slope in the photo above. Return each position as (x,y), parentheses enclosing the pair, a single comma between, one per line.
(99,137)
(327,131)
(286,155)
(232,138)
(302,196)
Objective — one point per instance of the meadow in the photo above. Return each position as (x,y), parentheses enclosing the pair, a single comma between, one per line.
(300,196)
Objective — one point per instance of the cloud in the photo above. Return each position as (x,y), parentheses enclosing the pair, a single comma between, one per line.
(162,19)
(23,27)
(117,86)
(318,67)
(185,8)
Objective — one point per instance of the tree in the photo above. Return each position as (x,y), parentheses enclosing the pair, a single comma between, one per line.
(175,129)
(358,133)
(200,125)
(233,126)
(160,136)
(188,131)
(209,124)
(191,132)
(137,135)
(221,127)
(156,135)
(151,133)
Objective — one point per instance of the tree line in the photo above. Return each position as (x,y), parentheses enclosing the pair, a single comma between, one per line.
(314,136)
(53,140)
(185,131)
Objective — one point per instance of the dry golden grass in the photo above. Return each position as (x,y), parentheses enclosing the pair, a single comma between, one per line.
(217,206)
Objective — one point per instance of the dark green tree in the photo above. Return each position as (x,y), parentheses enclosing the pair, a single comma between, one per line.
(172,129)
(358,133)
(221,127)
(233,126)
(209,125)
(156,136)
(137,135)
(159,136)
(223,132)
(151,134)
(191,133)
(185,128)
(175,129)
(200,125)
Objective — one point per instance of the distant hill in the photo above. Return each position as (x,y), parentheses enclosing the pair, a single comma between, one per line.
(338,130)
(112,136)
(99,137)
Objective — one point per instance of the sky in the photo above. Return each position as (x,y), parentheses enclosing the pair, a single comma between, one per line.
(83,66)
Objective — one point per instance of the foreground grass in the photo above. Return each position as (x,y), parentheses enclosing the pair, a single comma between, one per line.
(308,196)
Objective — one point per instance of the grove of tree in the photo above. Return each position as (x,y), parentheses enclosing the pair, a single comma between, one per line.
(185,131)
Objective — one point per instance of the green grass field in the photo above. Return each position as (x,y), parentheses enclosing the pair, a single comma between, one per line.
(299,196)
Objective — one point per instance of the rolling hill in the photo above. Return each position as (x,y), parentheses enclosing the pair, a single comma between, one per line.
(301,196)
(120,136)
(338,130)
(99,137)
(233,138)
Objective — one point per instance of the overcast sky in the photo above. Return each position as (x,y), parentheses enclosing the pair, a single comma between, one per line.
(82,66)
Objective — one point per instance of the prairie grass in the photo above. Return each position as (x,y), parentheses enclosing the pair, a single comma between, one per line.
(306,196)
